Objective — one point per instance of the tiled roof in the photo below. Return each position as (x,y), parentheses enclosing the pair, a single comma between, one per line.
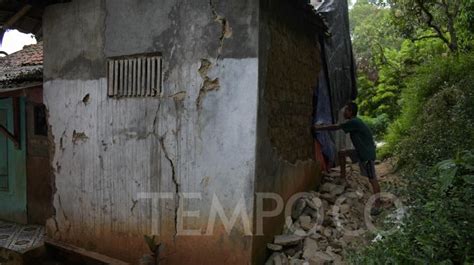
(23,67)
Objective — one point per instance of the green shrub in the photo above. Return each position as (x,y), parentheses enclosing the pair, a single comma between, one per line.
(451,75)
(439,228)
(445,127)
(377,125)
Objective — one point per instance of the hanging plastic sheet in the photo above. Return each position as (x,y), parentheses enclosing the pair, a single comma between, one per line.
(322,115)
(338,53)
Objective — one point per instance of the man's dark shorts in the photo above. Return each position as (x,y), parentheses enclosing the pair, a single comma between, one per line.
(367,168)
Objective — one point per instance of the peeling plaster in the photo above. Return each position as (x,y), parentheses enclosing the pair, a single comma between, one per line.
(78,137)
(226,30)
(85,99)
(208,84)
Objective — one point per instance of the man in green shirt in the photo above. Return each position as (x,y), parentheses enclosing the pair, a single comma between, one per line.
(364,145)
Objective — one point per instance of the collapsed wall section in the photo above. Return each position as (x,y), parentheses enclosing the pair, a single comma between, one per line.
(289,63)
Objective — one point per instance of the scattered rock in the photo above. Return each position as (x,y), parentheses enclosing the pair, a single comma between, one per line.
(337,190)
(310,248)
(344,208)
(351,195)
(298,262)
(305,241)
(274,247)
(327,187)
(305,222)
(298,208)
(281,260)
(287,240)
(317,202)
(327,232)
(300,232)
(320,258)
(329,197)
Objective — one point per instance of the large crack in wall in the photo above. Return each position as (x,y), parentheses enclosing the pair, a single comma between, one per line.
(175,181)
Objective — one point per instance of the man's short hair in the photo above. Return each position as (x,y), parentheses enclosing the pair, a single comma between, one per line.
(353,107)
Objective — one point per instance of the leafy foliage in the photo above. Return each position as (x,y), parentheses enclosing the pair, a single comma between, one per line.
(377,125)
(437,112)
(384,59)
(440,228)
(422,83)
(440,19)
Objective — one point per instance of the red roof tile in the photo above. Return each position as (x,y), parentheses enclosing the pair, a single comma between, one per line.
(29,55)
(22,67)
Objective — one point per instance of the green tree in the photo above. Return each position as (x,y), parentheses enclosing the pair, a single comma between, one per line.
(441,19)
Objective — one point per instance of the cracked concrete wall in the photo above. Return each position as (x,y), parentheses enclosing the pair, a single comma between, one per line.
(288,68)
(198,136)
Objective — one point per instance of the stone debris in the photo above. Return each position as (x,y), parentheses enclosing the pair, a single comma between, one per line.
(285,240)
(338,207)
(274,247)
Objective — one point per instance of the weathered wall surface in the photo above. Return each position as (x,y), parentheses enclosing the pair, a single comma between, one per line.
(195,137)
(39,186)
(288,63)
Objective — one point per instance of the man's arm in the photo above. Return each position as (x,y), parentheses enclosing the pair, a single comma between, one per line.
(331,127)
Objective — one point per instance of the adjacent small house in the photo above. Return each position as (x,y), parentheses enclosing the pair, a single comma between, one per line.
(25,177)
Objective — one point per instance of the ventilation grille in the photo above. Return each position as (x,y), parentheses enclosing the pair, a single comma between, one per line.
(134,76)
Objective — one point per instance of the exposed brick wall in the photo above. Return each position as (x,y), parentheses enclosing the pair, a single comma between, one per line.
(293,64)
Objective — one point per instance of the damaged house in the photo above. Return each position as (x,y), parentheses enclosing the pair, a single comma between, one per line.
(160,112)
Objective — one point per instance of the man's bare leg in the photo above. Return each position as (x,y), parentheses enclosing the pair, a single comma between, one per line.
(376,190)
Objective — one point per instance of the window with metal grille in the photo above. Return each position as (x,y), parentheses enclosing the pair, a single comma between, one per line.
(134,76)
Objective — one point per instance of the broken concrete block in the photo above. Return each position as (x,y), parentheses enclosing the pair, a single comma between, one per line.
(310,248)
(327,232)
(310,212)
(345,208)
(270,260)
(284,259)
(320,258)
(274,247)
(317,202)
(294,261)
(329,197)
(305,222)
(298,208)
(280,259)
(310,204)
(300,233)
(277,259)
(351,195)
(338,190)
(333,255)
(327,187)
(287,240)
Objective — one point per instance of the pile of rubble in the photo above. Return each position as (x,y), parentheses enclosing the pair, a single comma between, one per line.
(324,224)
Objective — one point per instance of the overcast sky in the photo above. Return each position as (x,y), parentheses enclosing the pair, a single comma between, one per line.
(14,41)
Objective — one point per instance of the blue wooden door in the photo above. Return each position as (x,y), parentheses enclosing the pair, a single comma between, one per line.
(12,166)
